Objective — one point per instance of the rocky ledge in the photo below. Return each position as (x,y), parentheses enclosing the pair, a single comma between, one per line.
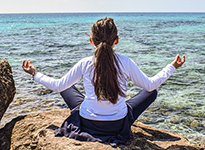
(36,131)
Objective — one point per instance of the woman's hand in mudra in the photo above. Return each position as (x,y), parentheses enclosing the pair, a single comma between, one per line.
(28,67)
(178,62)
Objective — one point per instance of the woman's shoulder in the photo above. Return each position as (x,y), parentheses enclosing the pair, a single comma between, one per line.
(87,59)
(123,58)
(126,62)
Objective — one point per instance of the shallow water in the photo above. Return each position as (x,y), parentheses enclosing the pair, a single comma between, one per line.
(55,42)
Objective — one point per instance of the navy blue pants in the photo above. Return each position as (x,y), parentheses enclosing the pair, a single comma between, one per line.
(139,103)
(112,132)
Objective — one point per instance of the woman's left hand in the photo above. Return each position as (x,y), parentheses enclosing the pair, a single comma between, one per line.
(28,67)
(178,62)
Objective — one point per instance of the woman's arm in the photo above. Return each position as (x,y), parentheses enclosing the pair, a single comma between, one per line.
(152,83)
(58,85)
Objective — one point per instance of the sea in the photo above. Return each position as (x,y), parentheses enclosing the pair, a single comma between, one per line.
(54,42)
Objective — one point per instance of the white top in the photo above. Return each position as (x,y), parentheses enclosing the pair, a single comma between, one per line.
(93,109)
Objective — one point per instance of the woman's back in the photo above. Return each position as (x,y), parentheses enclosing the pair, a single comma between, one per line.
(103,109)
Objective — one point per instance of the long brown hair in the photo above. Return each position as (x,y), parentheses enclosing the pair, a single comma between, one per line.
(106,66)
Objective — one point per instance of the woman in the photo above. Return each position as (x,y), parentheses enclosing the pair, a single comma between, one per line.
(103,114)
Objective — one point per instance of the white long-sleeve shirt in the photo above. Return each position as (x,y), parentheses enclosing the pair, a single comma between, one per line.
(93,109)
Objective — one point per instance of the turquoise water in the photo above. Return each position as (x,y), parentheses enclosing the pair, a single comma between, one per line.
(55,42)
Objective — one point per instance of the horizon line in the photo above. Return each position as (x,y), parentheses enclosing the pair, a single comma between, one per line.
(99,12)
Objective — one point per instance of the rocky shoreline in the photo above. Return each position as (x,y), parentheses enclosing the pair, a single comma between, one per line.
(36,131)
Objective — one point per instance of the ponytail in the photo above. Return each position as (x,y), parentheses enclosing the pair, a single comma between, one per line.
(106,67)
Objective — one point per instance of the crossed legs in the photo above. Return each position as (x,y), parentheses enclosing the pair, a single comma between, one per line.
(139,102)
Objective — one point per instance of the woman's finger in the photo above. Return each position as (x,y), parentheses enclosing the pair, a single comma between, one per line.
(183,59)
(179,59)
(27,63)
(176,57)
(23,63)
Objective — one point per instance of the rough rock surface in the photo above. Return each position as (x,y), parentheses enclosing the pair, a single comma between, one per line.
(7,86)
(36,131)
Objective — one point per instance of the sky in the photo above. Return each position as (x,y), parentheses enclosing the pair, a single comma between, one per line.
(52,6)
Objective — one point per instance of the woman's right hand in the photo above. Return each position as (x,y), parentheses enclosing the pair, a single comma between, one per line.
(28,67)
(178,62)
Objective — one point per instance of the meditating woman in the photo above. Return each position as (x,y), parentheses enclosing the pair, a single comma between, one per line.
(103,114)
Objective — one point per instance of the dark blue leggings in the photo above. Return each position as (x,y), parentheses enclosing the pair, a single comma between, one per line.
(139,103)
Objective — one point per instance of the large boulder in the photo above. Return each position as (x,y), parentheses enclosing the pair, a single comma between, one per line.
(36,131)
(7,86)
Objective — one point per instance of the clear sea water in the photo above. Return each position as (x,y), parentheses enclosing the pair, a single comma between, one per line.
(55,42)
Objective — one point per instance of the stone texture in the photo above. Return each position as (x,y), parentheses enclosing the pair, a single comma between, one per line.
(36,132)
(7,86)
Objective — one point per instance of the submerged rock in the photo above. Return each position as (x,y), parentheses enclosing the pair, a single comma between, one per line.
(194,124)
(7,86)
(36,131)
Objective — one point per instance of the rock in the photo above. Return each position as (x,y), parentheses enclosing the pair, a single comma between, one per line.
(7,86)
(203,123)
(5,134)
(194,124)
(175,119)
(36,131)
